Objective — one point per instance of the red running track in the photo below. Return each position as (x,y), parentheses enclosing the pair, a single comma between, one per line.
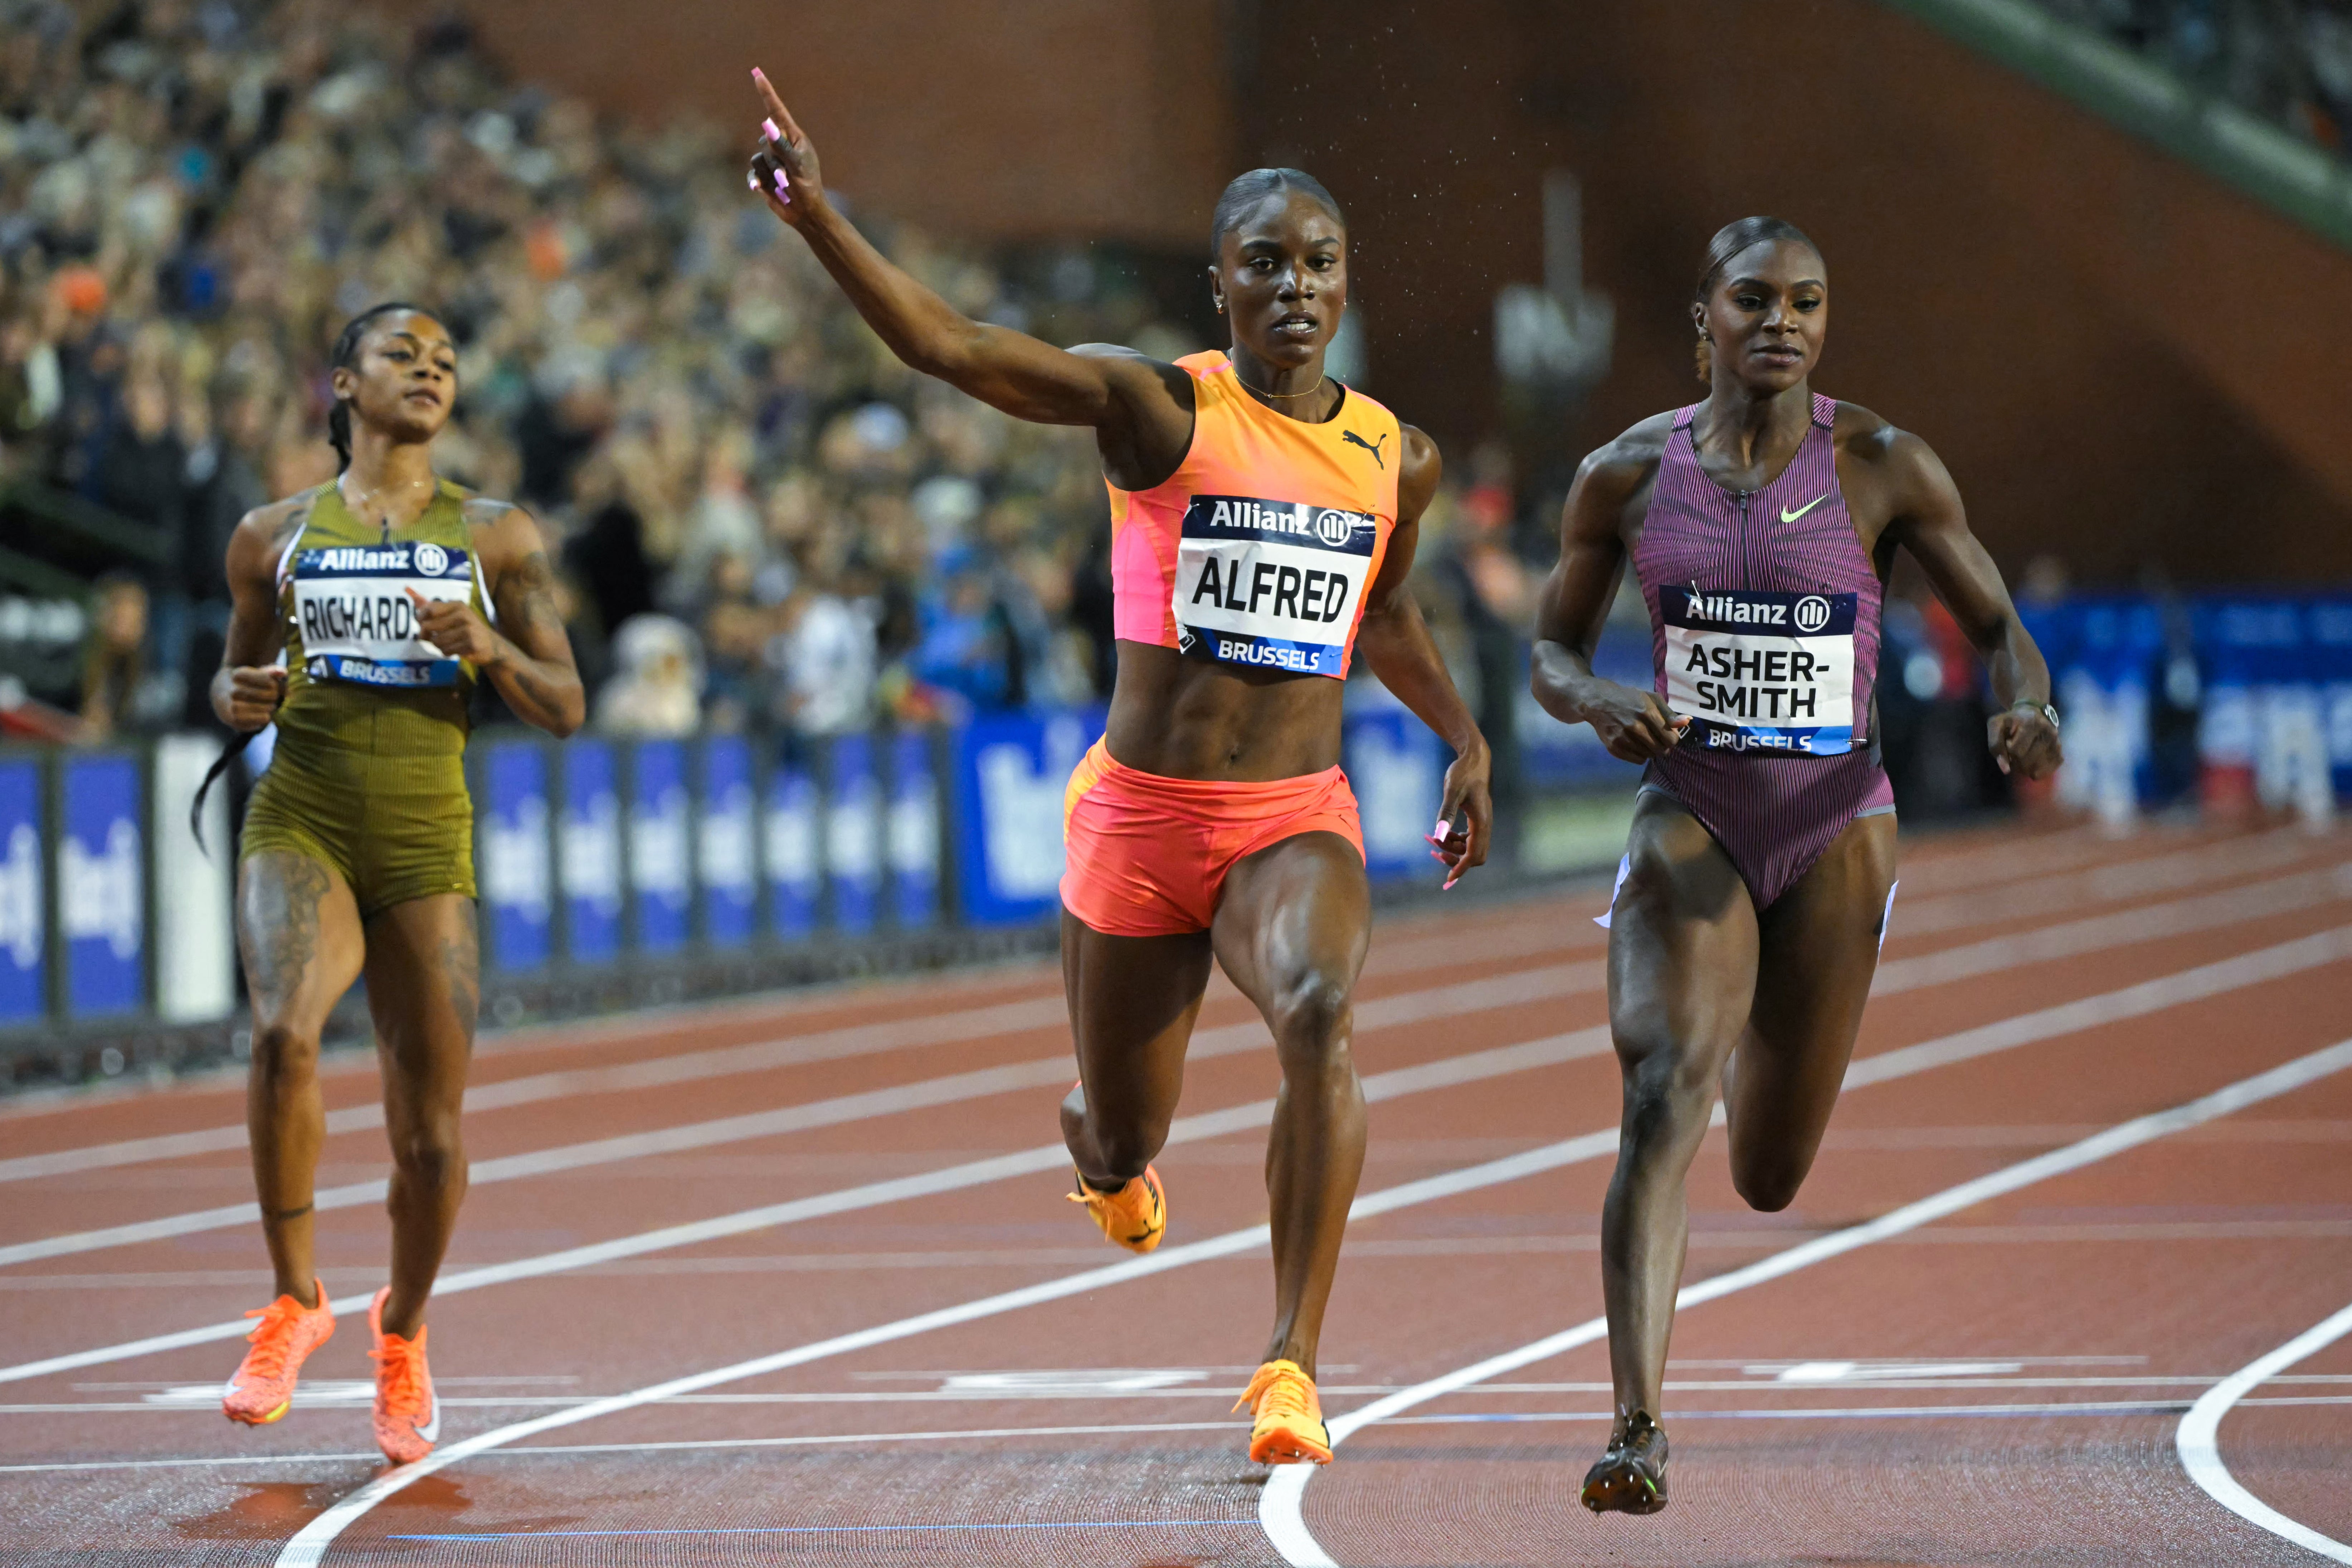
(2002,1385)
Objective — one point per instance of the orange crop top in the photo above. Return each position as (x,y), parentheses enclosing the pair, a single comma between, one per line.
(1259,549)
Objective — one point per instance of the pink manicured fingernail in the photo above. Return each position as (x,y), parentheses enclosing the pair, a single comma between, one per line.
(1443,825)
(759,76)
(770,126)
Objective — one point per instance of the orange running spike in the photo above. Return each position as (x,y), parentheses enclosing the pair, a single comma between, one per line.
(263,1388)
(407,1417)
(1289,1428)
(1135,1217)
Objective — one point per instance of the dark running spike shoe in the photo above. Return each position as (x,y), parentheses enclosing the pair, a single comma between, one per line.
(1630,1477)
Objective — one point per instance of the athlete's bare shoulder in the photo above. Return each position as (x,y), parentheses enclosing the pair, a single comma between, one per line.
(263,533)
(1137,371)
(1901,466)
(1624,465)
(1419,468)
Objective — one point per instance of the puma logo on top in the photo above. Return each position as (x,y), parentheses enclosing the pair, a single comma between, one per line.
(1374,448)
(1788,516)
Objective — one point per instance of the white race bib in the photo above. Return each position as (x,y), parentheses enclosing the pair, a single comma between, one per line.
(1761,671)
(357,622)
(1272,583)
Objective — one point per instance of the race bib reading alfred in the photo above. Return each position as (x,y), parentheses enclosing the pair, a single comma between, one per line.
(1758,672)
(357,624)
(1274,584)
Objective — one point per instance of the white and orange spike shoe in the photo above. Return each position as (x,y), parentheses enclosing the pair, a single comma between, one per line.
(262,1391)
(407,1417)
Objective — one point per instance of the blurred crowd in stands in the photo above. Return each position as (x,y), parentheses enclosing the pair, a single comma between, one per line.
(763,518)
(762,521)
(2288,60)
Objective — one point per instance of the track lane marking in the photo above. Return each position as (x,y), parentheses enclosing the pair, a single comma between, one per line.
(2197,1439)
(1511,990)
(307,1546)
(1281,1505)
(2123,928)
(2258,967)
(947,1026)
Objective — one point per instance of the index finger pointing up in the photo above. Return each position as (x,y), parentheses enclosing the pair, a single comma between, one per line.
(776,109)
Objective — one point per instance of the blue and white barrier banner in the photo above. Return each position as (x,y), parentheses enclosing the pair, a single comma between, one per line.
(1010,773)
(2103,655)
(516,858)
(2278,695)
(661,863)
(727,847)
(792,832)
(588,848)
(914,831)
(853,833)
(102,885)
(1397,768)
(23,895)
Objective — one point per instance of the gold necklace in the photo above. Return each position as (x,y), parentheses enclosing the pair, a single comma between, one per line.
(1308,392)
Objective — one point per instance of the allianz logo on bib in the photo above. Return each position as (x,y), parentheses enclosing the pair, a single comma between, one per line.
(1296,522)
(1808,614)
(425,559)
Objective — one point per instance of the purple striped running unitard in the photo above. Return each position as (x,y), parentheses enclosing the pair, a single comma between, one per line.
(1764,628)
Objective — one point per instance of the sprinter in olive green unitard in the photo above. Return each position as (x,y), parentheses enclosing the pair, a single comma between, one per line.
(390,592)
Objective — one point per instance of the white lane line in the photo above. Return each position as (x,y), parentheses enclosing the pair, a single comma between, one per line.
(961,1025)
(2099,933)
(2254,968)
(1512,990)
(2142,876)
(311,1543)
(1280,1506)
(1446,1072)
(956,1434)
(2073,939)
(2200,1454)
(1407,956)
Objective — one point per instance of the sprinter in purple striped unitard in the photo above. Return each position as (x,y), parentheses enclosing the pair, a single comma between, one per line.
(1760,873)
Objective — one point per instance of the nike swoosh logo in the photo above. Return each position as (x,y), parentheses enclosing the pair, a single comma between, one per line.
(1788,516)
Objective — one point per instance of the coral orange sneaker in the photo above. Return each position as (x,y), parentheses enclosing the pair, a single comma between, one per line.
(407,1417)
(263,1388)
(1135,1217)
(1289,1428)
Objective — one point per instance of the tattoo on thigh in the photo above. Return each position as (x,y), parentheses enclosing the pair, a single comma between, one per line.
(282,932)
(461,962)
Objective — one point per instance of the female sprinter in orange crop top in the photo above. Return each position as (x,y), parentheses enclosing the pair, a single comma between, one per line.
(1263,519)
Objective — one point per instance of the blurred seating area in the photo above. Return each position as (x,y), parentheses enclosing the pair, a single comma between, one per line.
(2289,61)
(764,522)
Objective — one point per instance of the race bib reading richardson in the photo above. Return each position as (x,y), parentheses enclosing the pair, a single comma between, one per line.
(357,624)
(1761,671)
(1272,583)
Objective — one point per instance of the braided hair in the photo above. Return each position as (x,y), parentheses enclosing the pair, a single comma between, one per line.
(1723,249)
(347,357)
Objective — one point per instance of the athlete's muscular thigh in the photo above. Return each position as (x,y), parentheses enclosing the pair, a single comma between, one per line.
(1682,945)
(423,969)
(298,933)
(1294,923)
(1818,949)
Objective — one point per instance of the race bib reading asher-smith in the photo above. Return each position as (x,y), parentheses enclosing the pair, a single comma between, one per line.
(1272,583)
(357,621)
(1761,671)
